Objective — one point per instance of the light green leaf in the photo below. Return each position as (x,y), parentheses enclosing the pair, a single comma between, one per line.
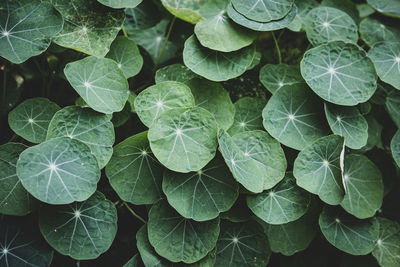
(263,10)
(184,140)
(120,3)
(275,76)
(26,28)
(386,7)
(59,171)
(395,147)
(363,186)
(175,72)
(349,234)
(303,7)
(133,262)
(99,82)
(340,73)
(31,118)
(373,31)
(393,106)
(364,10)
(293,116)
(133,172)
(81,230)
(387,249)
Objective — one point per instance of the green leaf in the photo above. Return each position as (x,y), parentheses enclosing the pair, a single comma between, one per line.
(349,234)
(133,172)
(242,244)
(31,118)
(363,186)
(365,10)
(373,31)
(14,200)
(393,106)
(303,7)
(349,123)
(87,126)
(120,3)
(184,140)
(152,102)
(175,72)
(215,65)
(275,76)
(133,262)
(239,212)
(140,17)
(347,6)
(395,147)
(59,171)
(293,116)
(340,73)
(81,230)
(89,27)
(386,58)
(178,239)
(284,203)
(99,82)
(26,28)
(327,24)
(202,195)
(263,10)
(386,7)
(374,133)
(387,250)
(126,53)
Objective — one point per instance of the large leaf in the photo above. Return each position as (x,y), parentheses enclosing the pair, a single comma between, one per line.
(175,72)
(340,73)
(59,171)
(373,31)
(81,230)
(275,76)
(395,147)
(387,249)
(99,82)
(26,28)
(120,3)
(387,7)
(263,10)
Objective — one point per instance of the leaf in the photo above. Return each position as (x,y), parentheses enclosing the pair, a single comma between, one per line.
(294,117)
(81,230)
(133,262)
(134,173)
(202,195)
(318,170)
(373,31)
(239,212)
(349,234)
(346,6)
(14,200)
(142,16)
(263,10)
(365,10)
(126,53)
(214,65)
(327,24)
(26,28)
(387,250)
(386,7)
(349,123)
(284,203)
(386,58)
(31,118)
(374,133)
(395,147)
(184,140)
(340,73)
(364,187)
(87,126)
(303,7)
(59,171)
(175,72)
(242,244)
(89,27)
(152,102)
(393,106)
(275,76)
(178,239)
(99,82)
(120,3)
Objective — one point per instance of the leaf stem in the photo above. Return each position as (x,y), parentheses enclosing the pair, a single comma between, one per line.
(133,213)
(278,50)
(124,31)
(165,42)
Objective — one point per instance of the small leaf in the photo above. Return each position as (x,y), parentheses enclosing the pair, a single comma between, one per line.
(387,250)
(263,10)
(373,31)
(395,147)
(275,76)
(120,3)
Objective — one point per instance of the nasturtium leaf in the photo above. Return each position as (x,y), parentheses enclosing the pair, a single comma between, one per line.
(374,133)
(247,115)
(215,65)
(373,31)
(133,172)
(89,26)
(177,238)
(294,116)
(286,202)
(386,58)
(263,10)
(14,199)
(261,26)
(141,17)
(152,102)
(120,3)
(133,262)
(204,194)
(364,10)
(275,76)
(395,147)
(387,249)
(31,118)
(242,244)
(90,127)
(347,6)
(386,7)
(175,72)
(99,82)
(303,7)
(26,28)
(327,24)
(340,73)
(347,233)
(349,123)
(81,230)
(184,140)
(59,171)
(214,98)
(21,245)
(393,106)
(317,169)
(363,186)
(126,53)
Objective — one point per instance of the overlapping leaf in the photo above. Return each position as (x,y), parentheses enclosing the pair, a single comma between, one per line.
(387,250)
(373,31)
(275,76)
(395,147)
(263,10)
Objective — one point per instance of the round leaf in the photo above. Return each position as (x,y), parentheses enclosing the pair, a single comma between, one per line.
(395,147)
(120,3)
(263,10)
(140,17)
(387,249)
(174,72)
(303,7)
(373,31)
(275,76)
(387,7)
